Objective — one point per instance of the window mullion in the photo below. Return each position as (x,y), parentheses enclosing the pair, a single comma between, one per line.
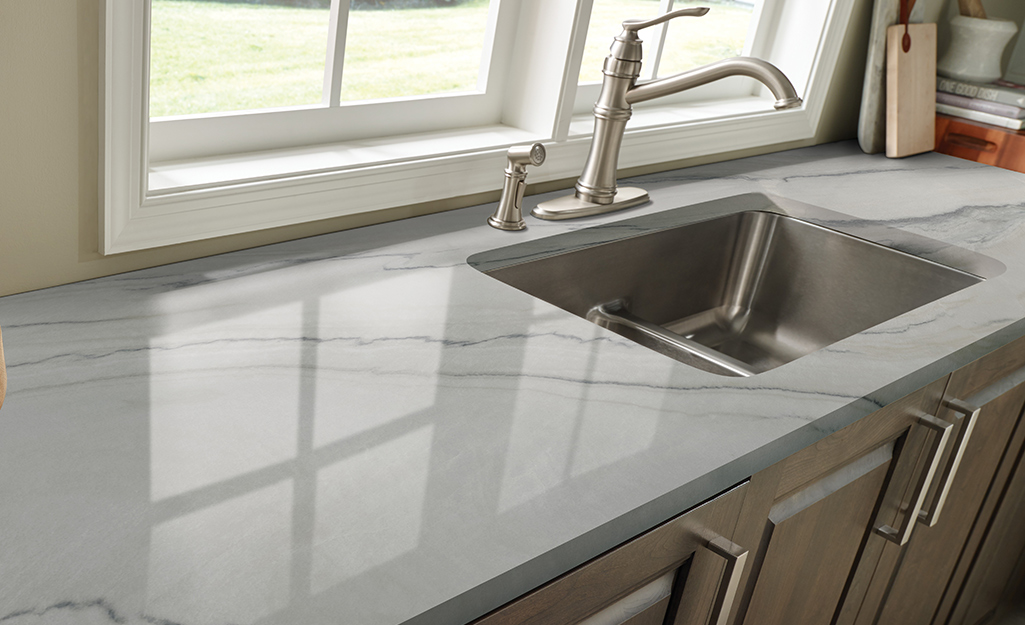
(574,57)
(337,29)
(660,39)
(537,81)
(765,20)
(490,57)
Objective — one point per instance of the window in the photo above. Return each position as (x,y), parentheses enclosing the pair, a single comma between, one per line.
(673,47)
(214,57)
(209,56)
(299,72)
(316,138)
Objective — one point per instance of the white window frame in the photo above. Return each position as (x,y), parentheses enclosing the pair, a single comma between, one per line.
(149,204)
(334,121)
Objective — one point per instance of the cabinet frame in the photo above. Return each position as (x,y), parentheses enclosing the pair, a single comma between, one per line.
(894,467)
(690,540)
(896,425)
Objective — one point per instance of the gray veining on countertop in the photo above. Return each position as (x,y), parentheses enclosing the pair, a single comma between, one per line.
(359,428)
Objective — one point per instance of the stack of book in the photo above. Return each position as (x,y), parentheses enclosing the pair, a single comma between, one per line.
(999,103)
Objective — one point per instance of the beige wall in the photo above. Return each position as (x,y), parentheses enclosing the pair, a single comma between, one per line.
(49,147)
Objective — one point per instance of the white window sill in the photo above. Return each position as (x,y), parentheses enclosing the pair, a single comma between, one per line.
(219,196)
(254,167)
(288,165)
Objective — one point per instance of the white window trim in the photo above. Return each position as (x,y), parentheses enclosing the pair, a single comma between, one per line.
(425,167)
(335,121)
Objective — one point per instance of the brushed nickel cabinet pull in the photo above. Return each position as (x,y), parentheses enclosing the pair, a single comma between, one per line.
(969,414)
(736,557)
(939,442)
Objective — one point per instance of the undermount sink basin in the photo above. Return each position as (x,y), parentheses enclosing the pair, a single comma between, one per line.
(741,285)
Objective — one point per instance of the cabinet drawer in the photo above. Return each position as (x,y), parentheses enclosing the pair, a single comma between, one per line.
(981,143)
(682,569)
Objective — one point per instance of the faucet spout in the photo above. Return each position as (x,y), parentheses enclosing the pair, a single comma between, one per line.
(596,190)
(763,71)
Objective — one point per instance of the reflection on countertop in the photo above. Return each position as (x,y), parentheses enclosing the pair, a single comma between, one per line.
(361,428)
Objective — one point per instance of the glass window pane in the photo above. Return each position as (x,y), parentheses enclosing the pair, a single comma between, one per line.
(719,34)
(607,17)
(209,56)
(397,48)
(690,42)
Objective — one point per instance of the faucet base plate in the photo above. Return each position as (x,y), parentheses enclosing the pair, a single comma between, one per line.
(503,224)
(572,207)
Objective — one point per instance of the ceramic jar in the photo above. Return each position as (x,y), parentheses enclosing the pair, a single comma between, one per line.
(976,48)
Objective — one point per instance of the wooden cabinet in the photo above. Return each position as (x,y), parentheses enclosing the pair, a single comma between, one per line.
(914,515)
(988,576)
(823,512)
(684,572)
(994,579)
(958,499)
(982,143)
(933,567)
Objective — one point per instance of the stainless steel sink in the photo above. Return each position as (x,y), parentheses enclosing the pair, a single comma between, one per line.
(738,286)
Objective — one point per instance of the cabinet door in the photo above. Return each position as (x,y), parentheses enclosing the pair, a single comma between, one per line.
(928,563)
(997,538)
(918,582)
(827,503)
(815,536)
(684,572)
(987,583)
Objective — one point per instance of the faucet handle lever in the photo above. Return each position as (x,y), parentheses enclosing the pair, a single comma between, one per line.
(635,25)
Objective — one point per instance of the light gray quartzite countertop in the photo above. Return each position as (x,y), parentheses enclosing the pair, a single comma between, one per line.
(359,428)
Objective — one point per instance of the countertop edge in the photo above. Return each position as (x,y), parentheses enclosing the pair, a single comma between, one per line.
(494,593)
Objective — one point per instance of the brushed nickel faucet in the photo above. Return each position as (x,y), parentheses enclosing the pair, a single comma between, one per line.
(596,191)
(508,215)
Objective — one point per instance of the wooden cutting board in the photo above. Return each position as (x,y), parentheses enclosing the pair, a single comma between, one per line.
(910,90)
(872,120)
